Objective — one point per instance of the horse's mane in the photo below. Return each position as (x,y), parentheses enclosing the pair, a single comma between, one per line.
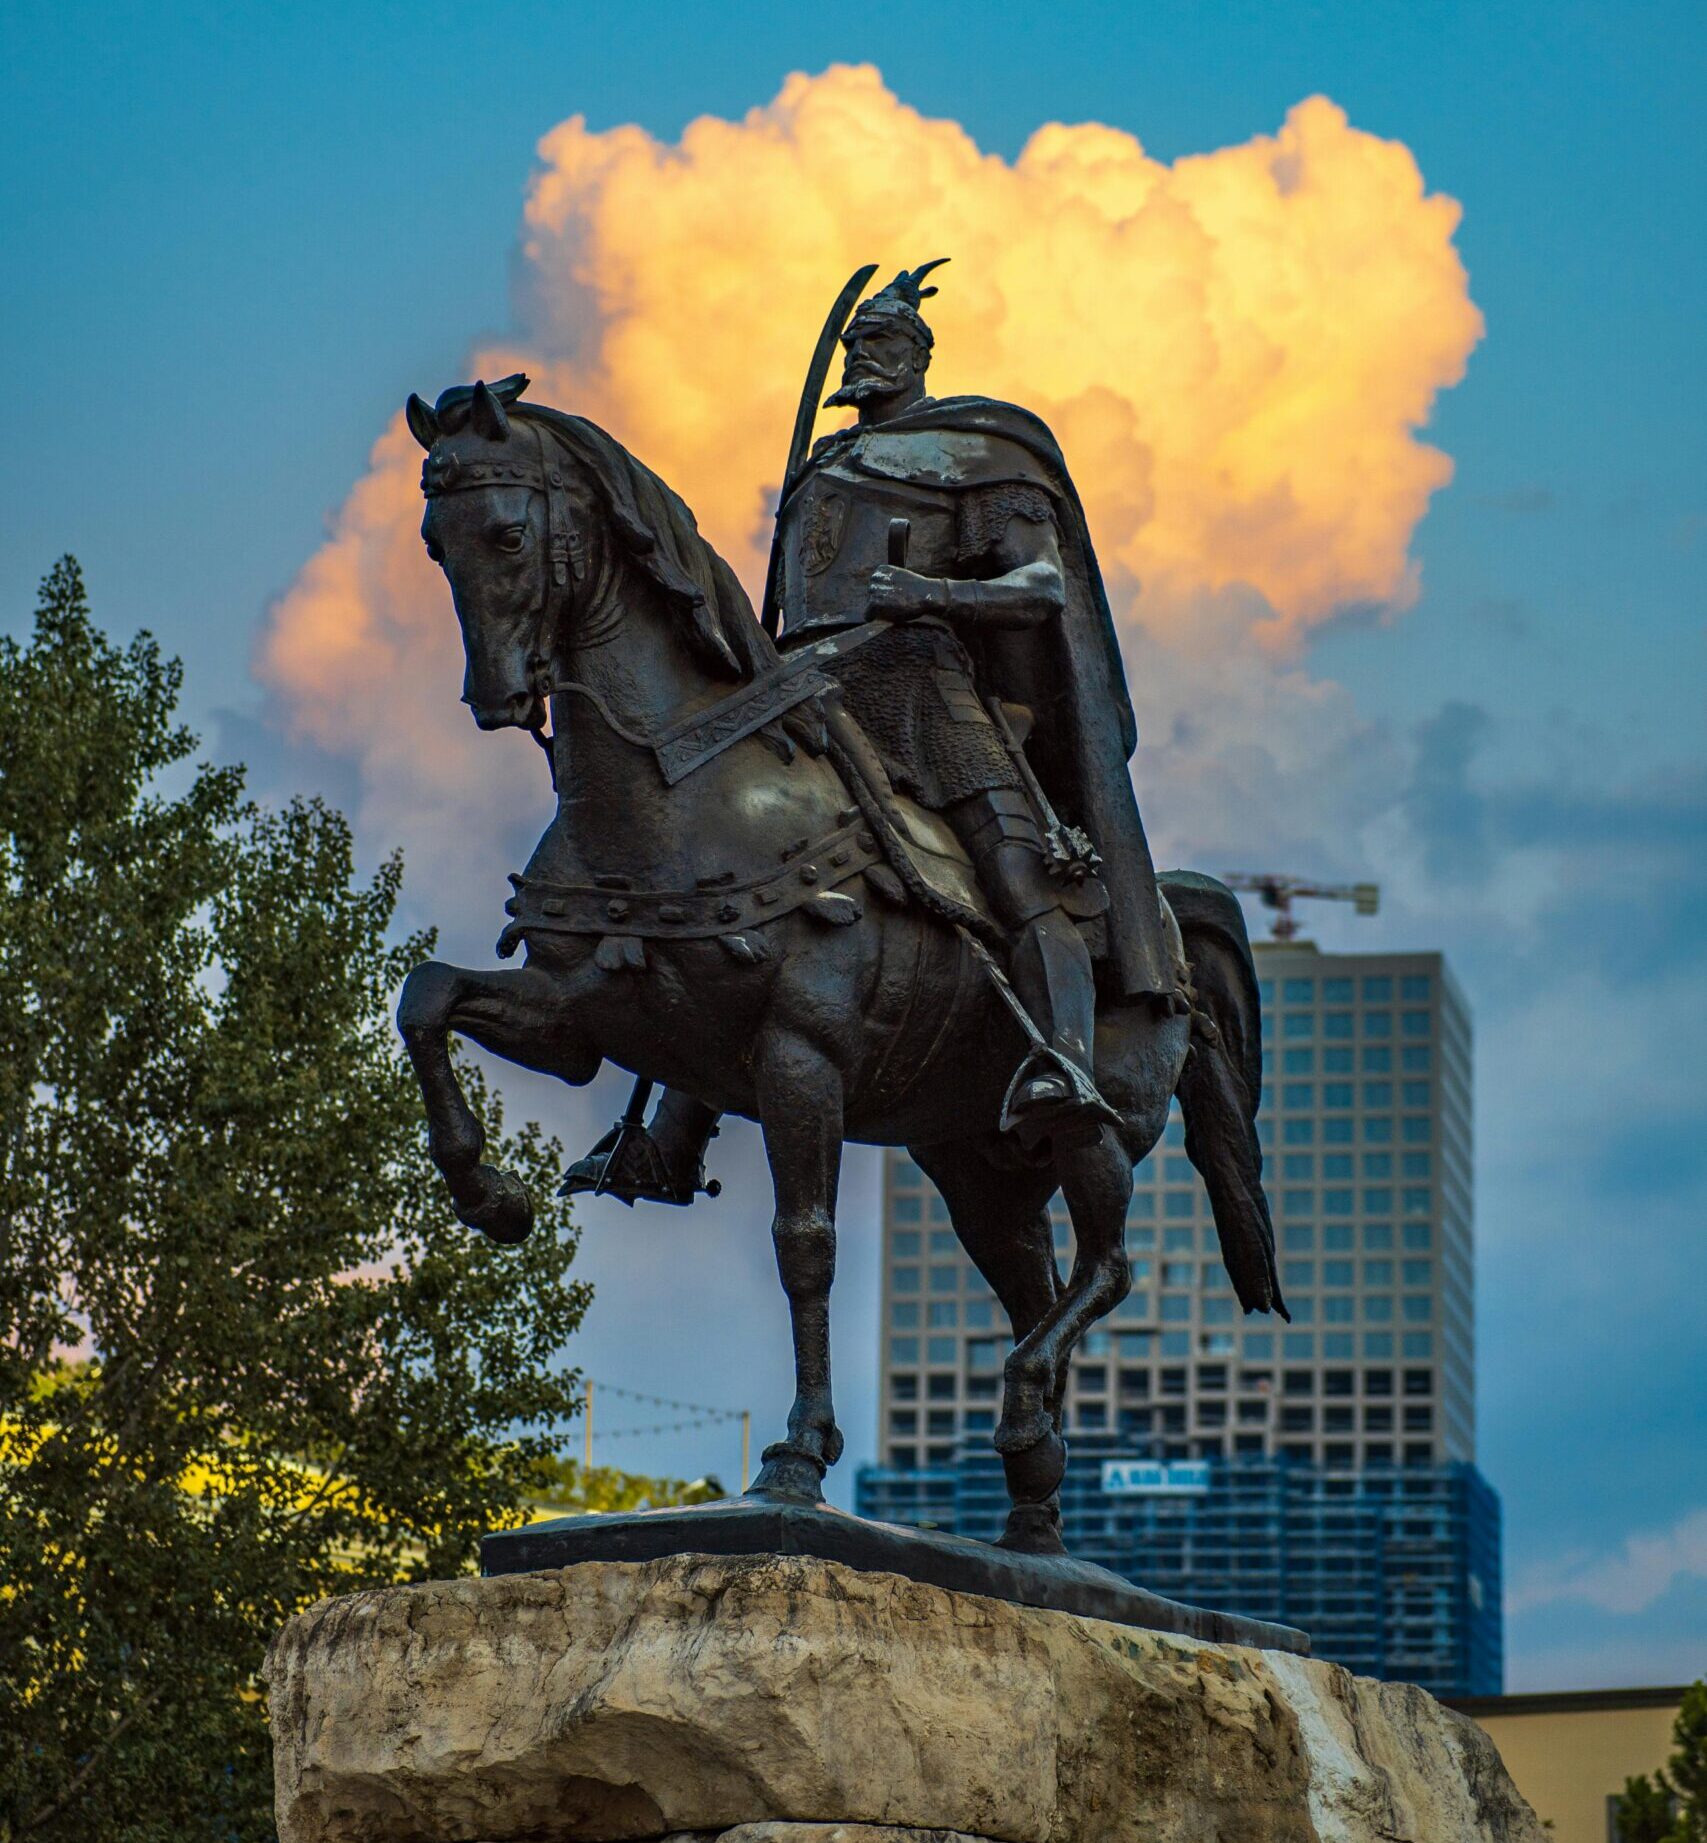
(656,528)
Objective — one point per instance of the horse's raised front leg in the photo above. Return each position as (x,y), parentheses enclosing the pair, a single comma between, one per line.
(800,1112)
(520,1016)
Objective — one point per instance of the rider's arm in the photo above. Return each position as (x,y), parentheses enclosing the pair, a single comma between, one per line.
(1026,588)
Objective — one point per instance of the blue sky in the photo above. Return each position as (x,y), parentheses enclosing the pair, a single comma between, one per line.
(236,238)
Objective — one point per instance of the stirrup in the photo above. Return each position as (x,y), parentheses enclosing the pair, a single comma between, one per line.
(1074,1119)
(627,1164)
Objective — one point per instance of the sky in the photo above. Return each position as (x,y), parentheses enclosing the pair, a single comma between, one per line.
(1372,334)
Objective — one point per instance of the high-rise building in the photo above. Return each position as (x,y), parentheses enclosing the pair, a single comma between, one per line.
(1366,1128)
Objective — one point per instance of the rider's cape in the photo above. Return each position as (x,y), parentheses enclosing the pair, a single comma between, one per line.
(1068,671)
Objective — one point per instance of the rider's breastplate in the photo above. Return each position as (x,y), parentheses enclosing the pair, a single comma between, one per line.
(835,532)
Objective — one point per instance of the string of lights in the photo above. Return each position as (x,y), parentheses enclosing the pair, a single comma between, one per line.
(702,1410)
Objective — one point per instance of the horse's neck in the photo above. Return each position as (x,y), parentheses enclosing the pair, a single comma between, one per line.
(626,667)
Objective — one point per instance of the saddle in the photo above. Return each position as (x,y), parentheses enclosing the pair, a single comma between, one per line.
(921,848)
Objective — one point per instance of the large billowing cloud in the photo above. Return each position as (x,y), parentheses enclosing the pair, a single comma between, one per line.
(1236,350)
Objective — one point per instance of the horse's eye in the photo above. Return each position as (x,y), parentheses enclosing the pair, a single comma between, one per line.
(512,538)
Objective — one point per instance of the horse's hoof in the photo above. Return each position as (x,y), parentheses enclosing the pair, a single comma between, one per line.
(1034,1529)
(1035,1472)
(505,1213)
(790,1472)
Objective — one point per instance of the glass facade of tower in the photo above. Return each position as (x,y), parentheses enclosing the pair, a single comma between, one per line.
(1366,1129)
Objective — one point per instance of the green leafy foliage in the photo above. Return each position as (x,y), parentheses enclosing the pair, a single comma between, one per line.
(1671,1807)
(247,1356)
(566,1489)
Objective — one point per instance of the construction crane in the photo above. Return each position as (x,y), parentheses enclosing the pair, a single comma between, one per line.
(1279,893)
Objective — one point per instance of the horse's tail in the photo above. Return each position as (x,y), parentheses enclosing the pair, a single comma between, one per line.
(1220,1085)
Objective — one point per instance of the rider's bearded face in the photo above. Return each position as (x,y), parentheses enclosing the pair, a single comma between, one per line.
(882,361)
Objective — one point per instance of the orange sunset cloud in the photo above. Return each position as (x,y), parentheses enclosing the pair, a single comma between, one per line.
(1236,350)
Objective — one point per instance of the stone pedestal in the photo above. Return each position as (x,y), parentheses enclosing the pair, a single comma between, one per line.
(769,1699)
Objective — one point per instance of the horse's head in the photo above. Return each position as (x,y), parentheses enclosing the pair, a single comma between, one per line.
(498,522)
(524,504)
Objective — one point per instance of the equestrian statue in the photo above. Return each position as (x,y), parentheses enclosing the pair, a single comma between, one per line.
(868,867)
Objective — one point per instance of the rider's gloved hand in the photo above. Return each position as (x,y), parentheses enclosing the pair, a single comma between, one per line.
(896,594)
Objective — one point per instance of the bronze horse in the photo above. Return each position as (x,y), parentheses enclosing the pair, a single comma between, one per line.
(735,932)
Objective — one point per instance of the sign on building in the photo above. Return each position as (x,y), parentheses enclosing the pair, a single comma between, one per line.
(1151,1478)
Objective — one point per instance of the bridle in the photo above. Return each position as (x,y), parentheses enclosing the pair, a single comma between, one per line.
(444,472)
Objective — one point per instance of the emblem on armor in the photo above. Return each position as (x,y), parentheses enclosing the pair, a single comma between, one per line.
(825,524)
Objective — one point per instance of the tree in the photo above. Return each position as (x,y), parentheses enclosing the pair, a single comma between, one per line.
(247,1357)
(1672,1809)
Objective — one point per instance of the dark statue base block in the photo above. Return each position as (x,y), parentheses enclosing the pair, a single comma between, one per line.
(755,1525)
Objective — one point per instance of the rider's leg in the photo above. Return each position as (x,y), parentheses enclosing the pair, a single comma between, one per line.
(661,1162)
(1050,964)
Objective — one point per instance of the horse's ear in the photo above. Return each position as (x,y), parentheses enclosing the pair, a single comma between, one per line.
(487,415)
(423,424)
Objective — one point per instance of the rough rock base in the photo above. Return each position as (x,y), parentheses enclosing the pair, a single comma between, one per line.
(792,1700)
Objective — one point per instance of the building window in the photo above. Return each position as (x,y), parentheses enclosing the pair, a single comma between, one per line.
(1415,1059)
(1299,1061)
(1378,1094)
(1299,991)
(904,1388)
(1376,1059)
(1336,1024)
(1337,1309)
(1378,1308)
(1336,991)
(1377,990)
(980,1314)
(1178,1171)
(903,1350)
(1177,1203)
(1416,1093)
(938,1210)
(1299,1346)
(1377,1164)
(1419,1308)
(1217,1311)
(1418,1130)
(943,1315)
(1378,1418)
(1419,1273)
(1336,1061)
(1298,1132)
(1378,1237)
(1296,1165)
(1378,1023)
(1378,1129)
(904,1315)
(1336,1236)
(1418,1235)
(940,1349)
(1298,1094)
(1416,988)
(1298,1238)
(1419,1344)
(1378,1346)
(905,1279)
(1336,1202)
(1143,1204)
(903,1458)
(1336,1344)
(1416,1202)
(1336,1131)
(1303,1311)
(1299,1273)
(1414,1023)
(1336,1094)
(907,1209)
(1377,1273)
(1259,1346)
(1299,1024)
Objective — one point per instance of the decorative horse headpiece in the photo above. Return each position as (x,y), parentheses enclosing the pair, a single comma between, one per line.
(476,417)
(898,304)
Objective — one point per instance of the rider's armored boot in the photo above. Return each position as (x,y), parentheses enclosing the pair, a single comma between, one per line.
(660,1163)
(1053,1093)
